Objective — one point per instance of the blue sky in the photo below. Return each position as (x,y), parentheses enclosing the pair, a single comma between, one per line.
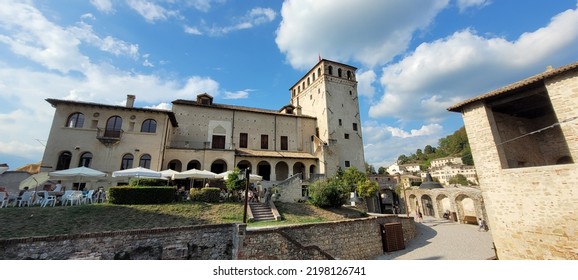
(414,58)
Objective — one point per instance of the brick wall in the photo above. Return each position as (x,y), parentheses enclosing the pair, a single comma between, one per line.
(352,239)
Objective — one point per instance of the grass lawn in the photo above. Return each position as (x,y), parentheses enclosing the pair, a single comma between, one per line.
(37,221)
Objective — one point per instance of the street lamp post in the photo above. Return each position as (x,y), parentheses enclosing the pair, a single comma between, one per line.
(246,175)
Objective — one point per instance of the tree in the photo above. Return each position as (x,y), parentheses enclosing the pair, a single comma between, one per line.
(369,169)
(233,182)
(428,150)
(402,159)
(352,176)
(331,193)
(367,188)
(458,179)
(381,170)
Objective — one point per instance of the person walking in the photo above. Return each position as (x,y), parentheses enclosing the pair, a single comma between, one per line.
(482,225)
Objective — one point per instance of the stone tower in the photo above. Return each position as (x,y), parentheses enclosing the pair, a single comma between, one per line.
(329,93)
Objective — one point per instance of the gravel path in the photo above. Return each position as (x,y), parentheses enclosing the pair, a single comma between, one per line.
(445,240)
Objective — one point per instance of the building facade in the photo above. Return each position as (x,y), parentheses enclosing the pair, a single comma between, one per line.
(315,135)
(524,140)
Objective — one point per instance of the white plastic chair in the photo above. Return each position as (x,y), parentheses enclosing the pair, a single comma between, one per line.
(3,200)
(25,198)
(74,198)
(65,197)
(87,198)
(48,199)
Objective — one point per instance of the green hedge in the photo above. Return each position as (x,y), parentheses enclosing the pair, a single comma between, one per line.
(141,195)
(205,194)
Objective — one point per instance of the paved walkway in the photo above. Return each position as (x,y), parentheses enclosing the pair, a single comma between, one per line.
(445,240)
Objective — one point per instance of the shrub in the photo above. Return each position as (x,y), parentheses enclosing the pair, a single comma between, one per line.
(328,194)
(141,195)
(211,195)
(147,182)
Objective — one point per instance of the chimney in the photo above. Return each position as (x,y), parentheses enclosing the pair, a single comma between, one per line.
(130,100)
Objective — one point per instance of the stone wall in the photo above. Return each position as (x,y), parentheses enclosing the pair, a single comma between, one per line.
(207,242)
(532,210)
(351,239)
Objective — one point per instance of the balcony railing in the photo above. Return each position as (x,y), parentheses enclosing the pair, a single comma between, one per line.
(108,137)
(195,145)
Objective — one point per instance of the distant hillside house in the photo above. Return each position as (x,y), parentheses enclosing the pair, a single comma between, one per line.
(446,168)
(524,140)
(407,168)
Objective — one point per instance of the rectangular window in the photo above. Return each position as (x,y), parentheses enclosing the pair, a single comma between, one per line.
(340,123)
(284,143)
(354,126)
(243,140)
(218,142)
(347,164)
(264,141)
(346,136)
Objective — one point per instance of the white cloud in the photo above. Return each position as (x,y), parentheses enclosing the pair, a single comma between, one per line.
(29,34)
(365,83)
(108,44)
(151,12)
(198,85)
(384,144)
(104,6)
(240,94)
(466,4)
(444,72)
(192,30)
(160,106)
(255,17)
(371,32)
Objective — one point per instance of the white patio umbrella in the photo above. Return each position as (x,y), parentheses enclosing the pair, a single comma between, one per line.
(168,173)
(34,180)
(195,174)
(138,172)
(77,174)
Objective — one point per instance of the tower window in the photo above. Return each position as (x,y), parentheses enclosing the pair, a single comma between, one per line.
(354,126)
(243,137)
(346,136)
(284,143)
(330,69)
(264,141)
(347,163)
(340,122)
(339,72)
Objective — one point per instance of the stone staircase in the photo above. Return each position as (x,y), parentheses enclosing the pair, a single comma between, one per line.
(261,212)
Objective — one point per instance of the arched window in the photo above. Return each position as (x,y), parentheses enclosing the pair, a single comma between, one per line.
(349,75)
(64,161)
(145,161)
(319,71)
(314,77)
(330,70)
(75,120)
(113,127)
(149,126)
(85,159)
(126,161)
(339,72)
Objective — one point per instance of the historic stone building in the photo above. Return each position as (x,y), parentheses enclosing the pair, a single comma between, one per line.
(317,133)
(524,139)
